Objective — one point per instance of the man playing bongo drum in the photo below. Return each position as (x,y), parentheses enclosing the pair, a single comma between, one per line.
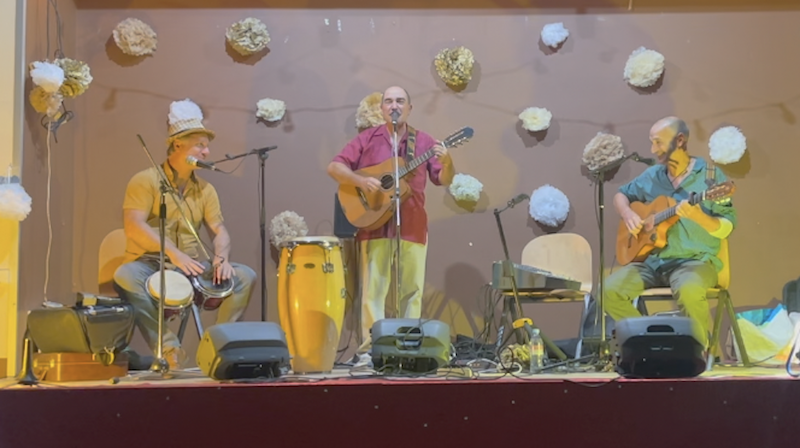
(200,204)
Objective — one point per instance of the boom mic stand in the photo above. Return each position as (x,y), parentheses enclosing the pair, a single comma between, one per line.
(519,322)
(160,365)
(262,154)
(599,175)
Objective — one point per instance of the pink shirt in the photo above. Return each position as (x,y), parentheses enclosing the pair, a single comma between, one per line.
(374,146)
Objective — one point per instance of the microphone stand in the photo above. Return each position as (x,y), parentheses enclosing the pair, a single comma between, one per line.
(519,320)
(599,176)
(263,155)
(397,228)
(160,365)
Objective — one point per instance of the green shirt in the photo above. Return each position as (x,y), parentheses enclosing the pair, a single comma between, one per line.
(685,239)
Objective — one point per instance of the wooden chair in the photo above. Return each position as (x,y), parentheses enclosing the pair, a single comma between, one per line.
(110,256)
(723,297)
(565,255)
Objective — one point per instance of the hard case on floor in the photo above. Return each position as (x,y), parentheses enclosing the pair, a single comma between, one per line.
(61,367)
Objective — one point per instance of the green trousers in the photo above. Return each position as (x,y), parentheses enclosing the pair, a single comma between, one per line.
(688,279)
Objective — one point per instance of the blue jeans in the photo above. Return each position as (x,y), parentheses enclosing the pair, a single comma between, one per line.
(689,280)
(130,281)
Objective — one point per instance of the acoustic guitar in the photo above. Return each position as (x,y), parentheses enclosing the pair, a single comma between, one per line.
(658,216)
(371,210)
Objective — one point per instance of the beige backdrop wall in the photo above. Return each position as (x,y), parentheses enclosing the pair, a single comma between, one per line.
(723,67)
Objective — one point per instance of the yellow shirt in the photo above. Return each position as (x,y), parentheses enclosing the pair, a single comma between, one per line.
(199,201)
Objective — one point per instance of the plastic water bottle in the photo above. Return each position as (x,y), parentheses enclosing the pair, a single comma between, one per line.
(536,347)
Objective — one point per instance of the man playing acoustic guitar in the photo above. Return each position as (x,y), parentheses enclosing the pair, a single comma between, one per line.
(688,263)
(376,247)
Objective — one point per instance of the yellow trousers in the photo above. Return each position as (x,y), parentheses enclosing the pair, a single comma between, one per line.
(376,268)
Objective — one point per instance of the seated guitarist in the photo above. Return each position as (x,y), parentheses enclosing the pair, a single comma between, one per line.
(371,147)
(688,263)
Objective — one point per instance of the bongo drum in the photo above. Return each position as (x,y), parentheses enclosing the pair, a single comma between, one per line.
(211,295)
(179,291)
(311,301)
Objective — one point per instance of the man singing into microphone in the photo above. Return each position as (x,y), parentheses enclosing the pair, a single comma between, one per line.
(689,263)
(372,147)
(188,143)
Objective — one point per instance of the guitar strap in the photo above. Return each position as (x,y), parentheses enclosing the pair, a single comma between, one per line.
(410,143)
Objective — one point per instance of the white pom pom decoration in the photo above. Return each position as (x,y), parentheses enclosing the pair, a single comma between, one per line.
(727,145)
(466,188)
(644,67)
(554,34)
(15,203)
(270,109)
(549,205)
(535,119)
(48,76)
(285,226)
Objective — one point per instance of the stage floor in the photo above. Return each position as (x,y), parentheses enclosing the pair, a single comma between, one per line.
(729,406)
(195,378)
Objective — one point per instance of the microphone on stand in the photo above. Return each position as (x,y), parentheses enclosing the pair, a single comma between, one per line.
(395,116)
(646,160)
(194,161)
(516,200)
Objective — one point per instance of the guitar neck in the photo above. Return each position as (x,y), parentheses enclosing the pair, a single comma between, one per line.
(412,165)
(694,198)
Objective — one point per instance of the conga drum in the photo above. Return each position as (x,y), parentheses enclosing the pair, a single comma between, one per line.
(178,291)
(311,301)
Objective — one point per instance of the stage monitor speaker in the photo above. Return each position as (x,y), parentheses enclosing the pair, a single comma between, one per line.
(658,347)
(341,226)
(412,345)
(240,350)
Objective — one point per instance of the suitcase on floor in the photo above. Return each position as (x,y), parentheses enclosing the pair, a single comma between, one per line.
(61,367)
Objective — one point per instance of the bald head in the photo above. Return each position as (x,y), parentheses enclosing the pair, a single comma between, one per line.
(674,124)
(668,135)
(394,91)
(396,98)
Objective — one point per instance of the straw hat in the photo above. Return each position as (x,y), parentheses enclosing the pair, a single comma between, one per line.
(185,118)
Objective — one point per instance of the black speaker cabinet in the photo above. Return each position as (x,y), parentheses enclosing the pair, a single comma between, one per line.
(658,347)
(241,350)
(342,228)
(412,345)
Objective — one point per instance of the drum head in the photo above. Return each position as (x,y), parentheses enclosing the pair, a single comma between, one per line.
(331,240)
(178,289)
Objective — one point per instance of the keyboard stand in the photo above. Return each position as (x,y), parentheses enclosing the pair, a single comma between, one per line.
(510,310)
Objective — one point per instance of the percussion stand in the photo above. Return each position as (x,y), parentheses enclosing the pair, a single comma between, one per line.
(599,174)
(262,154)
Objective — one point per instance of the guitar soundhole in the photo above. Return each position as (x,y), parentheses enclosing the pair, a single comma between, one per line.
(387,182)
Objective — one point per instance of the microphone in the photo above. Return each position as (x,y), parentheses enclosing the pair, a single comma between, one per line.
(395,116)
(646,160)
(265,149)
(519,198)
(191,160)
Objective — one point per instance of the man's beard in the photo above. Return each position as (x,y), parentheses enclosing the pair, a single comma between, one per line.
(666,158)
